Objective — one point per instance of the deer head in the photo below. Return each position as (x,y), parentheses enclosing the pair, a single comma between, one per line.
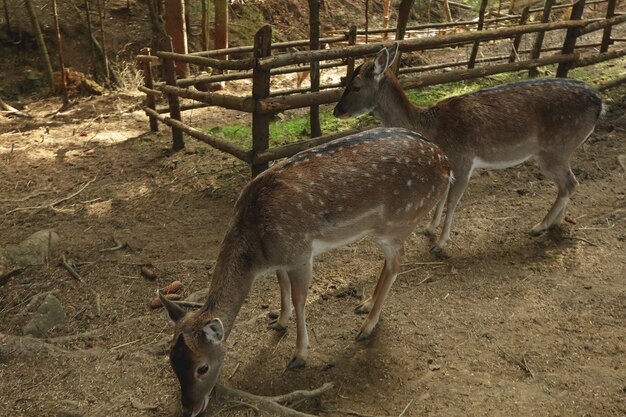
(196,355)
(361,94)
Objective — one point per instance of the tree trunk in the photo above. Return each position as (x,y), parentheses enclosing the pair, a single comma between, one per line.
(94,60)
(57,30)
(175,28)
(446,10)
(7,22)
(221,25)
(205,25)
(386,17)
(367,19)
(103,40)
(40,43)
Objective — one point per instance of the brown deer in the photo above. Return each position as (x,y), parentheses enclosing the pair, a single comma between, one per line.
(379,182)
(493,128)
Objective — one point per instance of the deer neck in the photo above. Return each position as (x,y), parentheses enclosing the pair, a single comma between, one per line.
(233,275)
(395,110)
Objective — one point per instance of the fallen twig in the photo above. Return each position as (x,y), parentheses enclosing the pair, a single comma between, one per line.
(348,412)
(406,408)
(69,265)
(234,371)
(12,110)
(52,205)
(271,404)
(28,197)
(522,364)
(118,245)
(581,239)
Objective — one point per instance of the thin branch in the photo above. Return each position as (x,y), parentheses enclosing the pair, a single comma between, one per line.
(581,239)
(118,245)
(28,197)
(522,364)
(67,264)
(269,404)
(54,203)
(406,408)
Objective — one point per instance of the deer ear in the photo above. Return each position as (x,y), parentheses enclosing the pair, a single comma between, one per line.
(174,311)
(393,52)
(381,63)
(214,331)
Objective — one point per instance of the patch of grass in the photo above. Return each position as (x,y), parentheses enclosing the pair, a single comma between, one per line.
(290,130)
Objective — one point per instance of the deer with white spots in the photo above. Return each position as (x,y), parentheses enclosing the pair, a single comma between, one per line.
(380,183)
(493,128)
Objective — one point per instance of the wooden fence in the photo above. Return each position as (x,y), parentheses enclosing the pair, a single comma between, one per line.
(262,65)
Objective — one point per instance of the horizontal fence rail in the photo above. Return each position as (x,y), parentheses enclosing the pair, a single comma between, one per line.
(261,65)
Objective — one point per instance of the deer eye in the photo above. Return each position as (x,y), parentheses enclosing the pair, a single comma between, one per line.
(356,89)
(203,370)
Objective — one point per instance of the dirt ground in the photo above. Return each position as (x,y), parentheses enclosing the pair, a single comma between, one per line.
(509,324)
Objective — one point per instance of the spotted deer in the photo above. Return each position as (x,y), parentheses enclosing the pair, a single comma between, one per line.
(379,183)
(493,128)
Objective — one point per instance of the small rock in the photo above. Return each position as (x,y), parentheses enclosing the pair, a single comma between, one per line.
(434,367)
(49,314)
(142,406)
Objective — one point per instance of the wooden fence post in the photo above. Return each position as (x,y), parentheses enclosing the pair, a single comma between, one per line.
(570,39)
(261,90)
(536,51)
(149,83)
(351,41)
(169,68)
(404,13)
(481,22)
(314,30)
(606,35)
(518,38)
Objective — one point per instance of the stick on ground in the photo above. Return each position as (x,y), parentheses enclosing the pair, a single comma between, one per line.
(271,404)
(69,265)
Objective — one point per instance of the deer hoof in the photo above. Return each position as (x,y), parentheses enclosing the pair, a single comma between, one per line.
(361,309)
(537,230)
(438,251)
(296,363)
(275,325)
(362,336)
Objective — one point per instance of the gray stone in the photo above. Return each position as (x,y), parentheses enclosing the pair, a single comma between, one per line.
(49,314)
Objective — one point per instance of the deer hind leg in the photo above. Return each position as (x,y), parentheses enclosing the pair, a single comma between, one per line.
(366,306)
(562,175)
(393,255)
(299,279)
(434,224)
(455,192)
(281,322)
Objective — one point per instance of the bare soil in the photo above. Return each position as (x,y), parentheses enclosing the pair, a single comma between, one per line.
(509,324)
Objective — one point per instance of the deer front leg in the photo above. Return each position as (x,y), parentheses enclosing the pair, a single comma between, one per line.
(457,188)
(300,279)
(280,324)
(393,256)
